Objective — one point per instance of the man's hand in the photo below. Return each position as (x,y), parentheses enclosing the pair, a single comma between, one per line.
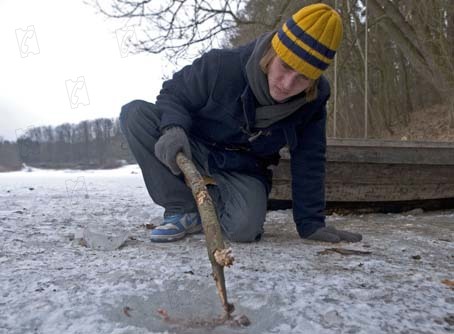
(330,234)
(172,141)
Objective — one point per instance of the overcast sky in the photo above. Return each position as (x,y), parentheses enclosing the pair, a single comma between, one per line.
(61,62)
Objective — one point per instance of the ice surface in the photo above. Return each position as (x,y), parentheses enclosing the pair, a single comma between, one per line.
(103,237)
(51,283)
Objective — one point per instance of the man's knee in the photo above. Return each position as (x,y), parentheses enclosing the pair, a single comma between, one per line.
(243,212)
(138,112)
(129,110)
(243,227)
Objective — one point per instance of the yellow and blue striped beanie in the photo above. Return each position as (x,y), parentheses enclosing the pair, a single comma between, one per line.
(308,41)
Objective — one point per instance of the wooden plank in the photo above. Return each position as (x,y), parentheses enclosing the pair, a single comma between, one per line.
(358,192)
(376,206)
(376,151)
(372,170)
(388,143)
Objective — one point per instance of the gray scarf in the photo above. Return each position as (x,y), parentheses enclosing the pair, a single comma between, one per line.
(268,111)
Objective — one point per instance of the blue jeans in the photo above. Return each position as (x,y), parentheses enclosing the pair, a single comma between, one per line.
(240,199)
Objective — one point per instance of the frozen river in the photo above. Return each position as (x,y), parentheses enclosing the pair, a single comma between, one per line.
(50,283)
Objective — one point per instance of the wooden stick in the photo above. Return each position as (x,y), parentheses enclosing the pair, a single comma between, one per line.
(218,255)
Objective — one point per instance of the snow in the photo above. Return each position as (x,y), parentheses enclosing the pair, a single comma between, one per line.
(50,283)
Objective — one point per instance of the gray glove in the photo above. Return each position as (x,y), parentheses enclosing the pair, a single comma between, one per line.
(330,234)
(172,141)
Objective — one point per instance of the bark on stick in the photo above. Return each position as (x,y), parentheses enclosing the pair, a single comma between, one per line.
(218,255)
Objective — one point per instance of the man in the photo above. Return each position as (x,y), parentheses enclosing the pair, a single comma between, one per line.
(231,112)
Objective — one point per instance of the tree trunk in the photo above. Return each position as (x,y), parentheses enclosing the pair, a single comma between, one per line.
(406,38)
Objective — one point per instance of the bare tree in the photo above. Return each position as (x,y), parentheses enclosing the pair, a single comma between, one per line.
(9,156)
(175,27)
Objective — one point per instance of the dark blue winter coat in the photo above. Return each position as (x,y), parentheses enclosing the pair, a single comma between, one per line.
(212,101)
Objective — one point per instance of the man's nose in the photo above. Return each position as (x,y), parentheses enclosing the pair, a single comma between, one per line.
(288,80)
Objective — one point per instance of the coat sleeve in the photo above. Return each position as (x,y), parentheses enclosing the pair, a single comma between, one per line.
(308,161)
(187,91)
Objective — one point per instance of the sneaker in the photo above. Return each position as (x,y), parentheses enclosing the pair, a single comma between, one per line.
(175,227)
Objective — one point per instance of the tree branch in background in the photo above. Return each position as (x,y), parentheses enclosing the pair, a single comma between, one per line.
(177,28)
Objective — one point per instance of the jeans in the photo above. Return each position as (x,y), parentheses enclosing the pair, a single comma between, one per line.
(240,200)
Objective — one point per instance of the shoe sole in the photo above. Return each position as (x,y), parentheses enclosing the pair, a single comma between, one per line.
(175,237)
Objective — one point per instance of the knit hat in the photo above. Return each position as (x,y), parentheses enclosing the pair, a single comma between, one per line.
(308,41)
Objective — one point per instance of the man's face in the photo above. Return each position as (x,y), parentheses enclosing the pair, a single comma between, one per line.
(285,82)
